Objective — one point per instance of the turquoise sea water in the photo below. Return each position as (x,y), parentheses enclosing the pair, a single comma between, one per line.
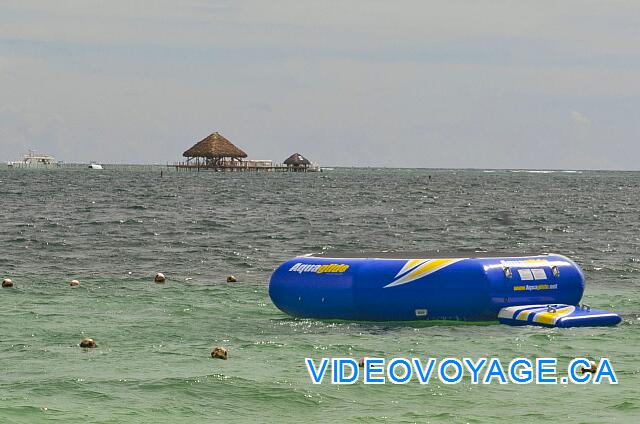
(114,229)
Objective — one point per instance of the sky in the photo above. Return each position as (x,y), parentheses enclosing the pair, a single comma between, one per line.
(435,84)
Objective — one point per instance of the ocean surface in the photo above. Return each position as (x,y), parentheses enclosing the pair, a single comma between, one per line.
(114,229)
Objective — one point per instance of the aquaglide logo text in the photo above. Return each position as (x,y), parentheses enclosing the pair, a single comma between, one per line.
(319,268)
(455,370)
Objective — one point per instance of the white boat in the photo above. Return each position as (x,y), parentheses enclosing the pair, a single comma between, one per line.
(33,160)
(94,165)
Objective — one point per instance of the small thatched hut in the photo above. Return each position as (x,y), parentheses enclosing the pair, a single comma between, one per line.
(297,162)
(214,150)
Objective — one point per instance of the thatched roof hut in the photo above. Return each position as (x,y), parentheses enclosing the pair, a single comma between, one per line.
(296,160)
(214,148)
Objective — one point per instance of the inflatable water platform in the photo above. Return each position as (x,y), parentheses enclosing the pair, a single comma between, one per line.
(543,289)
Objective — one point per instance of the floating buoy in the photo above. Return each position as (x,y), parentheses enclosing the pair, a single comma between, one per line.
(7,282)
(232,279)
(74,283)
(591,369)
(159,278)
(219,353)
(88,343)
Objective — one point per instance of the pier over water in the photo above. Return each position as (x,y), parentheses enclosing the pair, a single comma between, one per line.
(216,153)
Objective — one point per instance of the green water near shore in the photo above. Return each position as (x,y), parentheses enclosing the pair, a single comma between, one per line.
(114,229)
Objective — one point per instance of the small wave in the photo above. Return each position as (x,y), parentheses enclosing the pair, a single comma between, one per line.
(626,406)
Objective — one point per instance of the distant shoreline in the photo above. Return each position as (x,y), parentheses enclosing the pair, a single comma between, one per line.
(3,165)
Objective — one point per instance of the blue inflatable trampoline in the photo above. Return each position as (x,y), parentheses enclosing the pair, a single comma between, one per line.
(525,290)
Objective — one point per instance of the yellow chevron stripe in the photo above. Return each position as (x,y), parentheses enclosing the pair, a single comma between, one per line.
(522,316)
(550,318)
(409,265)
(423,270)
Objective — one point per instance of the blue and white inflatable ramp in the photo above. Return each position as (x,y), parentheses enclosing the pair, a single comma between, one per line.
(557,316)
